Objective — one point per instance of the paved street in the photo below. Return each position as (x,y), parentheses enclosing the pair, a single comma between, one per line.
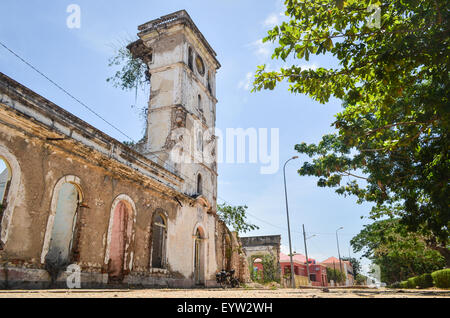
(230,293)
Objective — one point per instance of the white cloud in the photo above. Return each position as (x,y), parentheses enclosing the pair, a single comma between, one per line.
(262,50)
(273,19)
(247,82)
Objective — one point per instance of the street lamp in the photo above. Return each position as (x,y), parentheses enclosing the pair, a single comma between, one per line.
(289,228)
(306,252)
(337,241)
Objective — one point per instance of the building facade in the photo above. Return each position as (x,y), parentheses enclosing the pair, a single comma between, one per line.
(125,216)
(343,266)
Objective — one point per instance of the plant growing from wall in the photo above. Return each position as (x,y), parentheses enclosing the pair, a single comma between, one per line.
(131,74)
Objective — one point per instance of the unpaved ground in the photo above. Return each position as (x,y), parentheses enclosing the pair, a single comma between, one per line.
(229,293)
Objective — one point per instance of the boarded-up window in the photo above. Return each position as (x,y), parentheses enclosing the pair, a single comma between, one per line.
(119,239)
(5,181)
(63,227)
(158,241)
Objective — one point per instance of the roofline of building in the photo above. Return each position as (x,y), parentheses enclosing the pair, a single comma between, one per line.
(48,108)
(178,17)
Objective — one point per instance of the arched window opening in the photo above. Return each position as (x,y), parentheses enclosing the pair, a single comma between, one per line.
(199,184)
(121,227)
(159,234)
(190,59)
(5,182)
(200,65)
(198,258)
(61,247)
(199,140)
(199,103)
(208,80)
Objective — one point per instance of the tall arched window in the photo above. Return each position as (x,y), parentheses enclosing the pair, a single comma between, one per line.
(199,184)
(199,257)
(190,59)
(60,252)
(159,233)
(208,80)
(10,189)
(199,140)
(5,182)
(199,103)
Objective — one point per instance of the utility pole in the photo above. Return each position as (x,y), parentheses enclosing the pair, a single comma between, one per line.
(306,252)
(339,253)
(289,229)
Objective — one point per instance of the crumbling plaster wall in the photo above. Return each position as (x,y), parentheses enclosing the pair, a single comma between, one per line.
(257,246)
(42,166)
(43,163)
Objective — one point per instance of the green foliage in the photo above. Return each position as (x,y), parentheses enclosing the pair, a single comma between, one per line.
(129,143)
(441,278)
(336,275)
(411,282)
(132,72)
(234,216)
(404,284)
(356,265)
(424,281)
(392,139)
(399,253)
(270,268)
(360,279)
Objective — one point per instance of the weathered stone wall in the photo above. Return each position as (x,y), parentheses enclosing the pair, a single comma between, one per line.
(41,162)
(258,246)
(230,254)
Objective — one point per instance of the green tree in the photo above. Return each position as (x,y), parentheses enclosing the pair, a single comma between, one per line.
(356,264)
(270,269)
(400,254)
(234,216)
(361,279)
(391,146)
(335,275)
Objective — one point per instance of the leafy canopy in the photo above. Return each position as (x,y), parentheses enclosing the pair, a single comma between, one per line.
(391,145)
(399,254)
(234,216)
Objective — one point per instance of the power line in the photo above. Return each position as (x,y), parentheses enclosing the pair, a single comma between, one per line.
(89,108)
(65,91)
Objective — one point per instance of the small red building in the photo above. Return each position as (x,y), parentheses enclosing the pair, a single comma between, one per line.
(317,272)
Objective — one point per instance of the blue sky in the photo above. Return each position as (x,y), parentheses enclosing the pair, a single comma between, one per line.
(77,59)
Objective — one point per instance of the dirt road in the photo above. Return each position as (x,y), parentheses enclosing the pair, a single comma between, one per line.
(229,293)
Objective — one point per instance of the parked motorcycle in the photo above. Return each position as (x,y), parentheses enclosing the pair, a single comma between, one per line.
(226,278)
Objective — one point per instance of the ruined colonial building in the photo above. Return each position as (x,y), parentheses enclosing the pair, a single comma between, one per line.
(142,215)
